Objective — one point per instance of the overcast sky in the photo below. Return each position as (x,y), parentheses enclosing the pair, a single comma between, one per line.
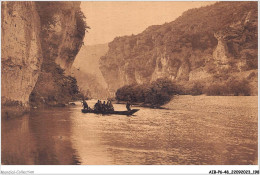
(111,19)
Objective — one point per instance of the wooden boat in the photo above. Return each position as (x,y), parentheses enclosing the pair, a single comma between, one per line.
(131,112)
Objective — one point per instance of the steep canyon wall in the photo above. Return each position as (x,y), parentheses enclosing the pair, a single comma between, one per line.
(220,39)
(39,43)
(21,51)
(62,34)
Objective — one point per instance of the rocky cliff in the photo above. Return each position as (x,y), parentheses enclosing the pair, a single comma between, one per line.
(39,40)
(62,34)
(220,39)
(21,52)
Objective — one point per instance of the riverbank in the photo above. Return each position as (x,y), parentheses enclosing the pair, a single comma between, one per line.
(8,112)
(202,102)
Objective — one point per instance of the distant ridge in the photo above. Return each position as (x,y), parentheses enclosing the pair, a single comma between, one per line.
(86,70)
(207,44)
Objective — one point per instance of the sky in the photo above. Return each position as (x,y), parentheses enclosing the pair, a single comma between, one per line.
(108,20)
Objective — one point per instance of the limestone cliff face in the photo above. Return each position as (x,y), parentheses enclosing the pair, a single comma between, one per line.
(61,31)
(203,42)
(40,41)
(62,34)
(21,51)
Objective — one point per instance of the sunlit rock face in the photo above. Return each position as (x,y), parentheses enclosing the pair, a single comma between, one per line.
(39,40)
(21,51)
(203,42)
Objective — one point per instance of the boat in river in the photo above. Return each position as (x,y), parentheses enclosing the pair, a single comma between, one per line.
(131,112)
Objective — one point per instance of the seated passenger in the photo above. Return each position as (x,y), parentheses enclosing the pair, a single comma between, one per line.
(111,108)
(104,109)
(97,106)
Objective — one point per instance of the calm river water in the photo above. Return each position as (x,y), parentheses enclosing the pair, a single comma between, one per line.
(204,134)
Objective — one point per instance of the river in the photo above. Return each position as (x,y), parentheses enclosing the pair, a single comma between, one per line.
(193,131)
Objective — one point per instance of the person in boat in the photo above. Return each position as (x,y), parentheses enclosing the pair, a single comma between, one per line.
(104,107)
(97,106)
(100,108)
(128,106)
(107,106)
(84,104)
(110,106)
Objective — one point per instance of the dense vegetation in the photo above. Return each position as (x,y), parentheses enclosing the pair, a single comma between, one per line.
(48,10)
(220,86)
(162,90)
(59,89)
(158,92)
(81,23)
(230,87)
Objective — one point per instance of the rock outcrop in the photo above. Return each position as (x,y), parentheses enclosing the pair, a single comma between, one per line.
(62,34)
(62,31)
(21,51)
(203,42)
(39,40)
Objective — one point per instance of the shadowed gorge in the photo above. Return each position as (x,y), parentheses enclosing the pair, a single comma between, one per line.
(211,44)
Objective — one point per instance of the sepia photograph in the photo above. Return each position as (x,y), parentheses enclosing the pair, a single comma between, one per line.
(129,83)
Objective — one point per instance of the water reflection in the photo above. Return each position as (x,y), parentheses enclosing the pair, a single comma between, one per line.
(193,136)
(39,138)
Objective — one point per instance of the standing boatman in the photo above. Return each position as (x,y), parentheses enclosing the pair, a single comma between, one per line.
(84,104)
(128,106)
